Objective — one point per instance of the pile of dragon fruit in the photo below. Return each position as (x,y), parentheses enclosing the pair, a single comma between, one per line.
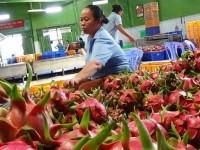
(137,111)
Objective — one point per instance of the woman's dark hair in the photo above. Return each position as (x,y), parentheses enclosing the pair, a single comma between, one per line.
(116,8)
(97,13)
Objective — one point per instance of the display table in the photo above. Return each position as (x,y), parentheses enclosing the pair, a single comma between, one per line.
(13,70)
(58,63)
(153,65)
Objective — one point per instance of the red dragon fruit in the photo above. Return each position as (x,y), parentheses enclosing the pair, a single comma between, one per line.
(146,85)
(3,95)
(8,130)
(175,96)
(189,84)
(196,54)
(18,108)
(108,83)
(185,64)
(97,110)
(197,65)
(77,96)
(177,66)
(128,100)
(22,143)
(166,68)
(155,75)
(135,79)
(165,118)
(153,102)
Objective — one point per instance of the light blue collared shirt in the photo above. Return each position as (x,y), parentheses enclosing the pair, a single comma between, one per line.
(106,50)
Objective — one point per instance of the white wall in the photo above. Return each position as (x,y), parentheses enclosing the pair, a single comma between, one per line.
(37,46)
(165,26)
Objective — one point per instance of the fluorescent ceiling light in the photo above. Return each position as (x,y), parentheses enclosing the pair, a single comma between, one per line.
(98,2)
(36,10)
(4,17)
(53,9)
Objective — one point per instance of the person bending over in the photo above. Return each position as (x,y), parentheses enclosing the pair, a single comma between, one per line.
(104,55)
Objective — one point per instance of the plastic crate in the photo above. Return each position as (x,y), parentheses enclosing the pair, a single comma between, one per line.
(174,32)
(128,46)
(20,58)
(60,54)
(142,33)
(48,55)
(11,60)
(153,30)
(153,56)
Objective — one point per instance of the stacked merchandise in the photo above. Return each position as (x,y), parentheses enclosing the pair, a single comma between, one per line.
(151,18)
(26,58)
(50,54)
(193,32)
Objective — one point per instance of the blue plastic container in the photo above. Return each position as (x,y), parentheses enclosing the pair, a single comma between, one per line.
(60,54)
(154,56)
(166,54)
(174,32)
(48,55)
(146,57)
(152,30)
(11,60)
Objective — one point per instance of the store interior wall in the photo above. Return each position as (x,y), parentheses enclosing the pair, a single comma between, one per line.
(170,16)
(165,26)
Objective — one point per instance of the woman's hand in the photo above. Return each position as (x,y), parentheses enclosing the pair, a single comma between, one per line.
(123,31)
(132,40)
(71,82)
(89,70)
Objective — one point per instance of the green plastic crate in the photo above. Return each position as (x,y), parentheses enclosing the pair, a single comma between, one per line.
(127,46)
(142,33)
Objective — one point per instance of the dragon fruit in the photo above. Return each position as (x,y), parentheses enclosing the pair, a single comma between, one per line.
(135,79)
(177,66)
(197,65)
(154,102)
(128,99)
(145,86)
(97,110)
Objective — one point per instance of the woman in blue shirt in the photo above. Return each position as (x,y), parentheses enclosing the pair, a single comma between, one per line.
(104,55)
